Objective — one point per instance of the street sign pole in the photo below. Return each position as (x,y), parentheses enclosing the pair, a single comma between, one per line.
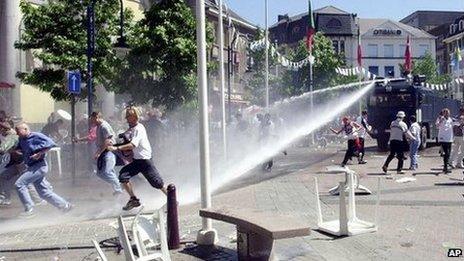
(73,134)
(74,88)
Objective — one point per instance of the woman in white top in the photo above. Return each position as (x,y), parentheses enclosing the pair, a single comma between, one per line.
(444,124)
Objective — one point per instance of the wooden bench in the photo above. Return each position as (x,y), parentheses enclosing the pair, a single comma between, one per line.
(256,231)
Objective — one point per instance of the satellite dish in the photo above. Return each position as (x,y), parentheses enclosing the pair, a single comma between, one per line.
(64,114)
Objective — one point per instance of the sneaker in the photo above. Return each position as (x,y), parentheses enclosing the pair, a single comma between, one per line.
(28,213)
(362,162)
(5,202)
(447,171)
(132,203)
(400,172)
(384,169)
(41,203)
(117,193)
(67,208)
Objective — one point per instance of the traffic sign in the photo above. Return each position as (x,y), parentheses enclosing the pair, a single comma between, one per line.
(74,82)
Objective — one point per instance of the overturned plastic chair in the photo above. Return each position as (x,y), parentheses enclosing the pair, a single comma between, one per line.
(99,251)
(150,236)
(348,224)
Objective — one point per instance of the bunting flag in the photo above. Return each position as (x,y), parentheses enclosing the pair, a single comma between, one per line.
(407,57)
(311,30)
(260,44)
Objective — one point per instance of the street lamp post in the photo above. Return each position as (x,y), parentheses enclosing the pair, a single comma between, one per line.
(207,235)
(90,51)
(121,46)
(221,79)
(266,80)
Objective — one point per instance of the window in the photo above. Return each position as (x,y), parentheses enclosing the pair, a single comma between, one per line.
(342,46)
(334,23)
(423,49)
(461,25)
(452,28)
(392,100)
(388,50)
(374,70)
(335,45)
(372,50)
(389,71)
(401,50)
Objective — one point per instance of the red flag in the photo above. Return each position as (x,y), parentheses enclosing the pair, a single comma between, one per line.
(407,57)
(6,85)
(359,49)
(311,28)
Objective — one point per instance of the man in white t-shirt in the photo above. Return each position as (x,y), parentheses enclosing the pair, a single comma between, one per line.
(398,129)
(141,148)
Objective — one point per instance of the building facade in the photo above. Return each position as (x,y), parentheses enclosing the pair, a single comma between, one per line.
(384,41)
(338,25)
(23,100)
(453,41)
(437,24)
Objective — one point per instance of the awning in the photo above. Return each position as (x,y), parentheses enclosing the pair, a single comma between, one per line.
(6,85)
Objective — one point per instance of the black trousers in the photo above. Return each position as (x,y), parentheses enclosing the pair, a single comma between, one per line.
(349,152)
(144,166)
(361,150)
(446,147)
(396,148)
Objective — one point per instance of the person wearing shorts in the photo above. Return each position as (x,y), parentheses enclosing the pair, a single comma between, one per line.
(142,159)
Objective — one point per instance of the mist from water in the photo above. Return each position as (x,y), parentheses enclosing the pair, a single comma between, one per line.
(176,154)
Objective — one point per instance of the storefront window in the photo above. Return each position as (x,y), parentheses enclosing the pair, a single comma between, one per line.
(374,70)
(389,71)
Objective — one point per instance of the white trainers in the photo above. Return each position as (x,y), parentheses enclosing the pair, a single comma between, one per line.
(68,208)
(5,202)
(41,203)
(28,213)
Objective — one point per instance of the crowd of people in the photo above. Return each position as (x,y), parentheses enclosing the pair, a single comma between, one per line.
(24,167)
(403,138)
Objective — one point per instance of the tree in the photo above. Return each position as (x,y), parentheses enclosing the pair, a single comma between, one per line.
(56,33)
(255,90)
(324,74)
(427,66)
(161,67)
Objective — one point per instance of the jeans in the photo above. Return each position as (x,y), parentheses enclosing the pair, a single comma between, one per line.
(457,152)
(106,170)
(35,175)
(7,180)
(413,153)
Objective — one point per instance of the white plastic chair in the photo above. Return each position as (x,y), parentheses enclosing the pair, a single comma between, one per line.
(99,251)
(149,234)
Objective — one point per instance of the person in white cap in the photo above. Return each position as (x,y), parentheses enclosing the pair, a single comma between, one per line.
(398,129)
(444,124)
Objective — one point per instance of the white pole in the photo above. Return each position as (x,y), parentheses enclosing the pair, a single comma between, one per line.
(222,80)
(206,236)
(267,56)
(9,59)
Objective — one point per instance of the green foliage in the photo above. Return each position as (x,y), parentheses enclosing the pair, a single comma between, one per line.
(255,90)
(57,35)
(427,66)
(324,75)
(161,66)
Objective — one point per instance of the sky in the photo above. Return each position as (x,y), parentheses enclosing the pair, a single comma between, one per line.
(253,10)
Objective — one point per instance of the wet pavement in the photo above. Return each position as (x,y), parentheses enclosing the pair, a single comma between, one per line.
(417,219)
